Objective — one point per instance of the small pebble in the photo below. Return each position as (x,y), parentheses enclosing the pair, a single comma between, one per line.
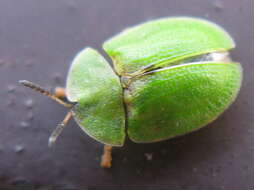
(24,124)
(149,156)
(19,148)
(29,103)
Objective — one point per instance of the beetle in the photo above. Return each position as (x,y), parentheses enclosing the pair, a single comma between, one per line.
(170,76)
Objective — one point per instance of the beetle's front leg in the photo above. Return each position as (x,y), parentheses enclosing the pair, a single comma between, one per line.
(106,158)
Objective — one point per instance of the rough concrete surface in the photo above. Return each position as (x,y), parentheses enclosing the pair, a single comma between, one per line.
(38,40)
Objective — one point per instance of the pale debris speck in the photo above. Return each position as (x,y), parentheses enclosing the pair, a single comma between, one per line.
(149,156)
(29,103)
(18,148)
(24,124)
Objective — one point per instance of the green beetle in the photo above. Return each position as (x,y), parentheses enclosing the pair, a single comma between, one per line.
(170,76)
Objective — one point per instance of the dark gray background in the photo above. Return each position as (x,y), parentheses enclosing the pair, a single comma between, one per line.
(38,40)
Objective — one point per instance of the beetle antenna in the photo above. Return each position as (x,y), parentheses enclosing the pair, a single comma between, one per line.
(55,134)
(44,92)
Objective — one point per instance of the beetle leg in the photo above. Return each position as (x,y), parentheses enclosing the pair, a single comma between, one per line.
(106,157)
(59,129)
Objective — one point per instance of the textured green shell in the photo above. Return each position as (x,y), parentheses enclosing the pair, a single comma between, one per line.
(180,99)
(164,42)
(173,98)
(168,92)
(97,90)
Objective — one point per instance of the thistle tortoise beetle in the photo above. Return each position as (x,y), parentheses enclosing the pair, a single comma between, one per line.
(170,76)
